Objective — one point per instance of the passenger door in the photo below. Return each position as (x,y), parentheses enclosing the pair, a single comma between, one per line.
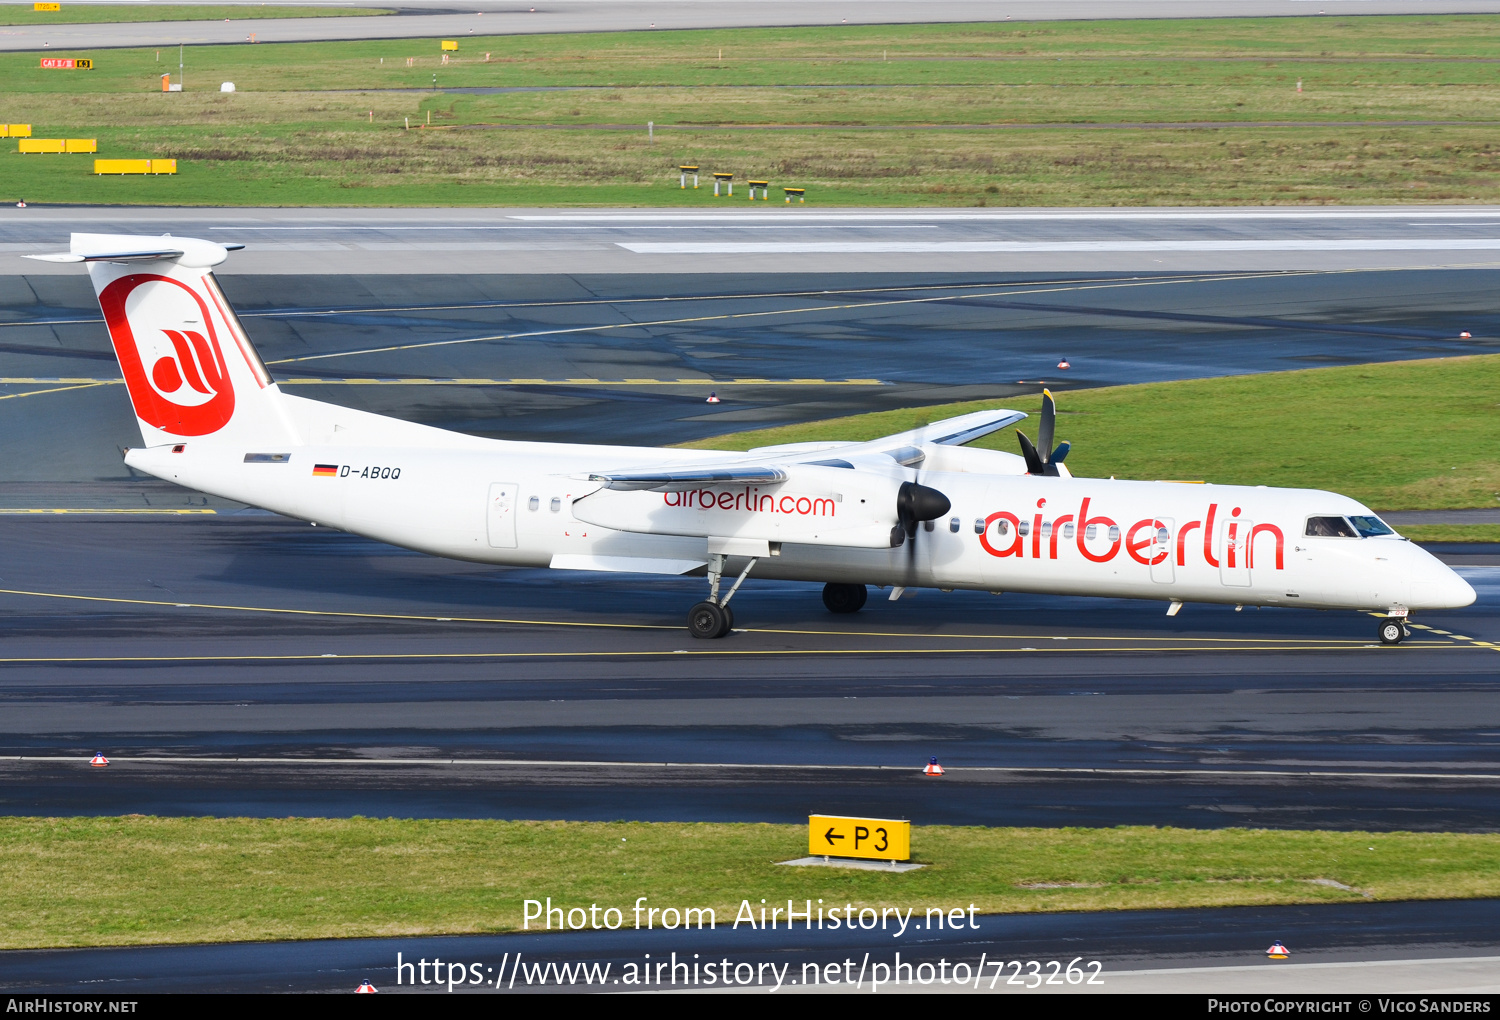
(501,515)
(1234,546)
(1166,531)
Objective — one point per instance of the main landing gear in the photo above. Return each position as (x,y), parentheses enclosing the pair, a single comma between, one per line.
(714,618)
(1393,631)
(844,598)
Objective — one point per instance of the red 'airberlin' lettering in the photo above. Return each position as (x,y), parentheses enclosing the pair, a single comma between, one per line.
(1239,548)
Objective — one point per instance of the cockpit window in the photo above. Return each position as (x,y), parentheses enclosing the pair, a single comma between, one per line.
(1329,527)
(1370,526)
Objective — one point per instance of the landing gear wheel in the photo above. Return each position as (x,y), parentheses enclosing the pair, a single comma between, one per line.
(728,612)
(844,598)
(1392,632)
(707,620)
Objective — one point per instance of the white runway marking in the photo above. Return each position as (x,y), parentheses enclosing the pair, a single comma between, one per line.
(1021,247)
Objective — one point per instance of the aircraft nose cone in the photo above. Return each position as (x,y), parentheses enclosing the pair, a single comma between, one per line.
(1459,592)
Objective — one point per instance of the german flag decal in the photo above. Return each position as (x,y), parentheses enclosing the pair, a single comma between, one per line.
(325,470)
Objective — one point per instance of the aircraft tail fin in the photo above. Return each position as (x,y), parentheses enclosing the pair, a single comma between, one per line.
(191,370)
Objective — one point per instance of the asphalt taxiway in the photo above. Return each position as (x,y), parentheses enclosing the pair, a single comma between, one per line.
(247,665)
(1360,948)
(631,358)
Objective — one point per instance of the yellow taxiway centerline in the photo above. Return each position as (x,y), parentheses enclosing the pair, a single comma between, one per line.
(1139,642)
(741,652)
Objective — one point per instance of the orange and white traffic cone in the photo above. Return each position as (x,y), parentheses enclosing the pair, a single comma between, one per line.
(1064,364)
(933,768)
(1465,335)
(98,760)
(713,398)
(1277,951)
(365,988)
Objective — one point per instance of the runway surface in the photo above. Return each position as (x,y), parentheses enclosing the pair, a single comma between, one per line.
(505,18)
(721,236)
(1361,948)
(449,689)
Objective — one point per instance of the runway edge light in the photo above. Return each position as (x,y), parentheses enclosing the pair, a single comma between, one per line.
(933,768)
(1277,951)
(98,760)
(365,988)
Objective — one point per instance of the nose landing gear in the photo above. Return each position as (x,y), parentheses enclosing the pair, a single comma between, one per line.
(1393,631)
(713,618)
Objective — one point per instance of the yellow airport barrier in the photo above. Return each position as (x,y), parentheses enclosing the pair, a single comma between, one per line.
(135,166)
(450,44)
(41,145)
(80,145)
(15,130)
(122,166)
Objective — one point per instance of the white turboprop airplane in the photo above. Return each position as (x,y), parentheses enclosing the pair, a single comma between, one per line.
(916,509)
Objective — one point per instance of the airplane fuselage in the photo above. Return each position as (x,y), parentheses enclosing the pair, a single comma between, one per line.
(524,504)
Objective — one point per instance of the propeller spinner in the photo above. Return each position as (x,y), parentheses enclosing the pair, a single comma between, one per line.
(1045,460)
(916,503)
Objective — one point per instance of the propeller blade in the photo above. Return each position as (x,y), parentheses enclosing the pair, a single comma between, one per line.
(1061,453)
(1047,426)
(1034,463)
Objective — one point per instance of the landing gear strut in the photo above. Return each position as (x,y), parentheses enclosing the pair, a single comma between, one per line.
(844,598)
(1393,631)
(714,618)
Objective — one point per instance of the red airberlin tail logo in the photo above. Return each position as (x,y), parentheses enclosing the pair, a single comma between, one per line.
(177,377)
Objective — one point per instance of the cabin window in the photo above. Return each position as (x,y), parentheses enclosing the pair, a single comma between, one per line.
(534,503)
(556,504)
(1068,532)
(979,526)
(1090,531)
(1329,527)
(928,525)
(1162,536)
(1114,533)
(1046,529)
(1023,529)
(953,524)
(1370,526)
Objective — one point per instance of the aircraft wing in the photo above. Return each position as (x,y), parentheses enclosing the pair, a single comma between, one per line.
(949,432)
(681,479)
(771,462)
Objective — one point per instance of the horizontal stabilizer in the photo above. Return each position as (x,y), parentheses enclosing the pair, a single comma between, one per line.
(190,252)
(113,256)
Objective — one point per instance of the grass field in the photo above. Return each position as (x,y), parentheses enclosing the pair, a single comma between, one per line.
(1397,435)
(1061,113)
(1451,532)
(134,880)
(114,13)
